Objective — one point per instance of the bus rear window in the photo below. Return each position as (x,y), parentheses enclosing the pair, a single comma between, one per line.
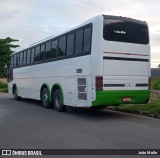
(125,31)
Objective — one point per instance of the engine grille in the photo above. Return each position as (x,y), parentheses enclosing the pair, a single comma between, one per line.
(82,88)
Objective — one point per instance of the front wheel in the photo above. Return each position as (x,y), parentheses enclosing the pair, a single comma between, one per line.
(45,98)
(15,93)
(57,101)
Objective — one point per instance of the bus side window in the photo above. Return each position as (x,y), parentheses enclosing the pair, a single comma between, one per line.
(48,54)
(37,54)
(21,58)
(42,52)
(70,44)
(11,62)
(28,56)
(54,48)
(87,40)
(32,55)
(62,46)
(17,64)
(15,60)
(24,57)
(79,42)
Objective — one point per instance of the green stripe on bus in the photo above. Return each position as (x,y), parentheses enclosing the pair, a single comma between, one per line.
(112,97)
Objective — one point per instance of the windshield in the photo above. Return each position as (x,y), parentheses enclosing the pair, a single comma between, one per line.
(125,30)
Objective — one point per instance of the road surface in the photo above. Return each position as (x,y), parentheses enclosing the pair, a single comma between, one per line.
(25,124)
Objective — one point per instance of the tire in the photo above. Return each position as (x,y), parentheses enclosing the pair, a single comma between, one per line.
(45,98)
(15,93)
(57,101)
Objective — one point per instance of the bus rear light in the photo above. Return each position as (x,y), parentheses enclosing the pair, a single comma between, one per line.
(149,83)
(99,83)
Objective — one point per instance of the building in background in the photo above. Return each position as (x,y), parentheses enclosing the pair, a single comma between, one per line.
(155,72)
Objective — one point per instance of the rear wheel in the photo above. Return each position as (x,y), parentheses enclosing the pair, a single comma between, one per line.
(45,98)
(57,101)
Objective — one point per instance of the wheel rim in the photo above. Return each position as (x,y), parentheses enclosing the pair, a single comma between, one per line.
(45,98)
(58,100)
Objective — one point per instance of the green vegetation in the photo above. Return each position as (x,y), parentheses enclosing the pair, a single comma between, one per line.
(155,84)
(5,52)
(3,87)
(150,109)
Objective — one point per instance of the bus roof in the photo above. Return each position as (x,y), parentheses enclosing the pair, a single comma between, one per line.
(84,23)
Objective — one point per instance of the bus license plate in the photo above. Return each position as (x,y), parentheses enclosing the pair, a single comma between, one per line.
(127,99)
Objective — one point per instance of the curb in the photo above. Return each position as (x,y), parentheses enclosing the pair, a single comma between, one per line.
(137,113)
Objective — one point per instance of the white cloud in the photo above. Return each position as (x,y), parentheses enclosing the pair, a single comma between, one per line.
(33,20)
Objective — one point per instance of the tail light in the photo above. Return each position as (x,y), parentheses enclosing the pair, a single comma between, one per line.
(99,83)
(149,83)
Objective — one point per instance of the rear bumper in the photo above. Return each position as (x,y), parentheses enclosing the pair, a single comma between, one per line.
(115,97)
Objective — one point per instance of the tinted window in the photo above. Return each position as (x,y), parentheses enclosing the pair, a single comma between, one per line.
(32,55)
(42,53)
(62,46)
(75,42)
(24,58)
(37,54)
(79,42)
(125,31)
(48,50)
(21,58)
(18,59)
(11,62)
(15,60)
(70,44)
(87,40)
(28,56)
(54,48)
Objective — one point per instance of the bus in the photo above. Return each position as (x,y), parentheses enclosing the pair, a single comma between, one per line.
(105,61)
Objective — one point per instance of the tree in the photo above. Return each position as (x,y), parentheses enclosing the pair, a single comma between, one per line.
(159,66)
(5,52)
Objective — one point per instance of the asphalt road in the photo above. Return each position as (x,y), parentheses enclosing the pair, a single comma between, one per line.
(25,124)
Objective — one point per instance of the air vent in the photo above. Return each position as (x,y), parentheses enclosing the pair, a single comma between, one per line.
(81,81)
(82,88)
(82,96)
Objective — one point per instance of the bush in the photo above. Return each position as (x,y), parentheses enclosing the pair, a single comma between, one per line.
(155,84)
(3,87)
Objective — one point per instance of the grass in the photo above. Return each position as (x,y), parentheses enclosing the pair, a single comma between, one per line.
(151,109)
(3,87)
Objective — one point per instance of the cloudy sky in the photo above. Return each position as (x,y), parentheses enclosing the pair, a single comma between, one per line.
(33,20)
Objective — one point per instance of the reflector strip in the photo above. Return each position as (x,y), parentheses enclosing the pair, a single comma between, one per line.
(127,59)
(126,53)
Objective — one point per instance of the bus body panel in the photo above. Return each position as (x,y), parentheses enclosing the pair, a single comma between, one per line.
(29,79)
(116,97)
(125,68)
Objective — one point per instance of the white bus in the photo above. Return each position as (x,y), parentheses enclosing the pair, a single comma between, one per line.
(104,61)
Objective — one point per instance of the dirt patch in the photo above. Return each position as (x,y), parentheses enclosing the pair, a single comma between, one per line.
(4,80)
(155,95)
